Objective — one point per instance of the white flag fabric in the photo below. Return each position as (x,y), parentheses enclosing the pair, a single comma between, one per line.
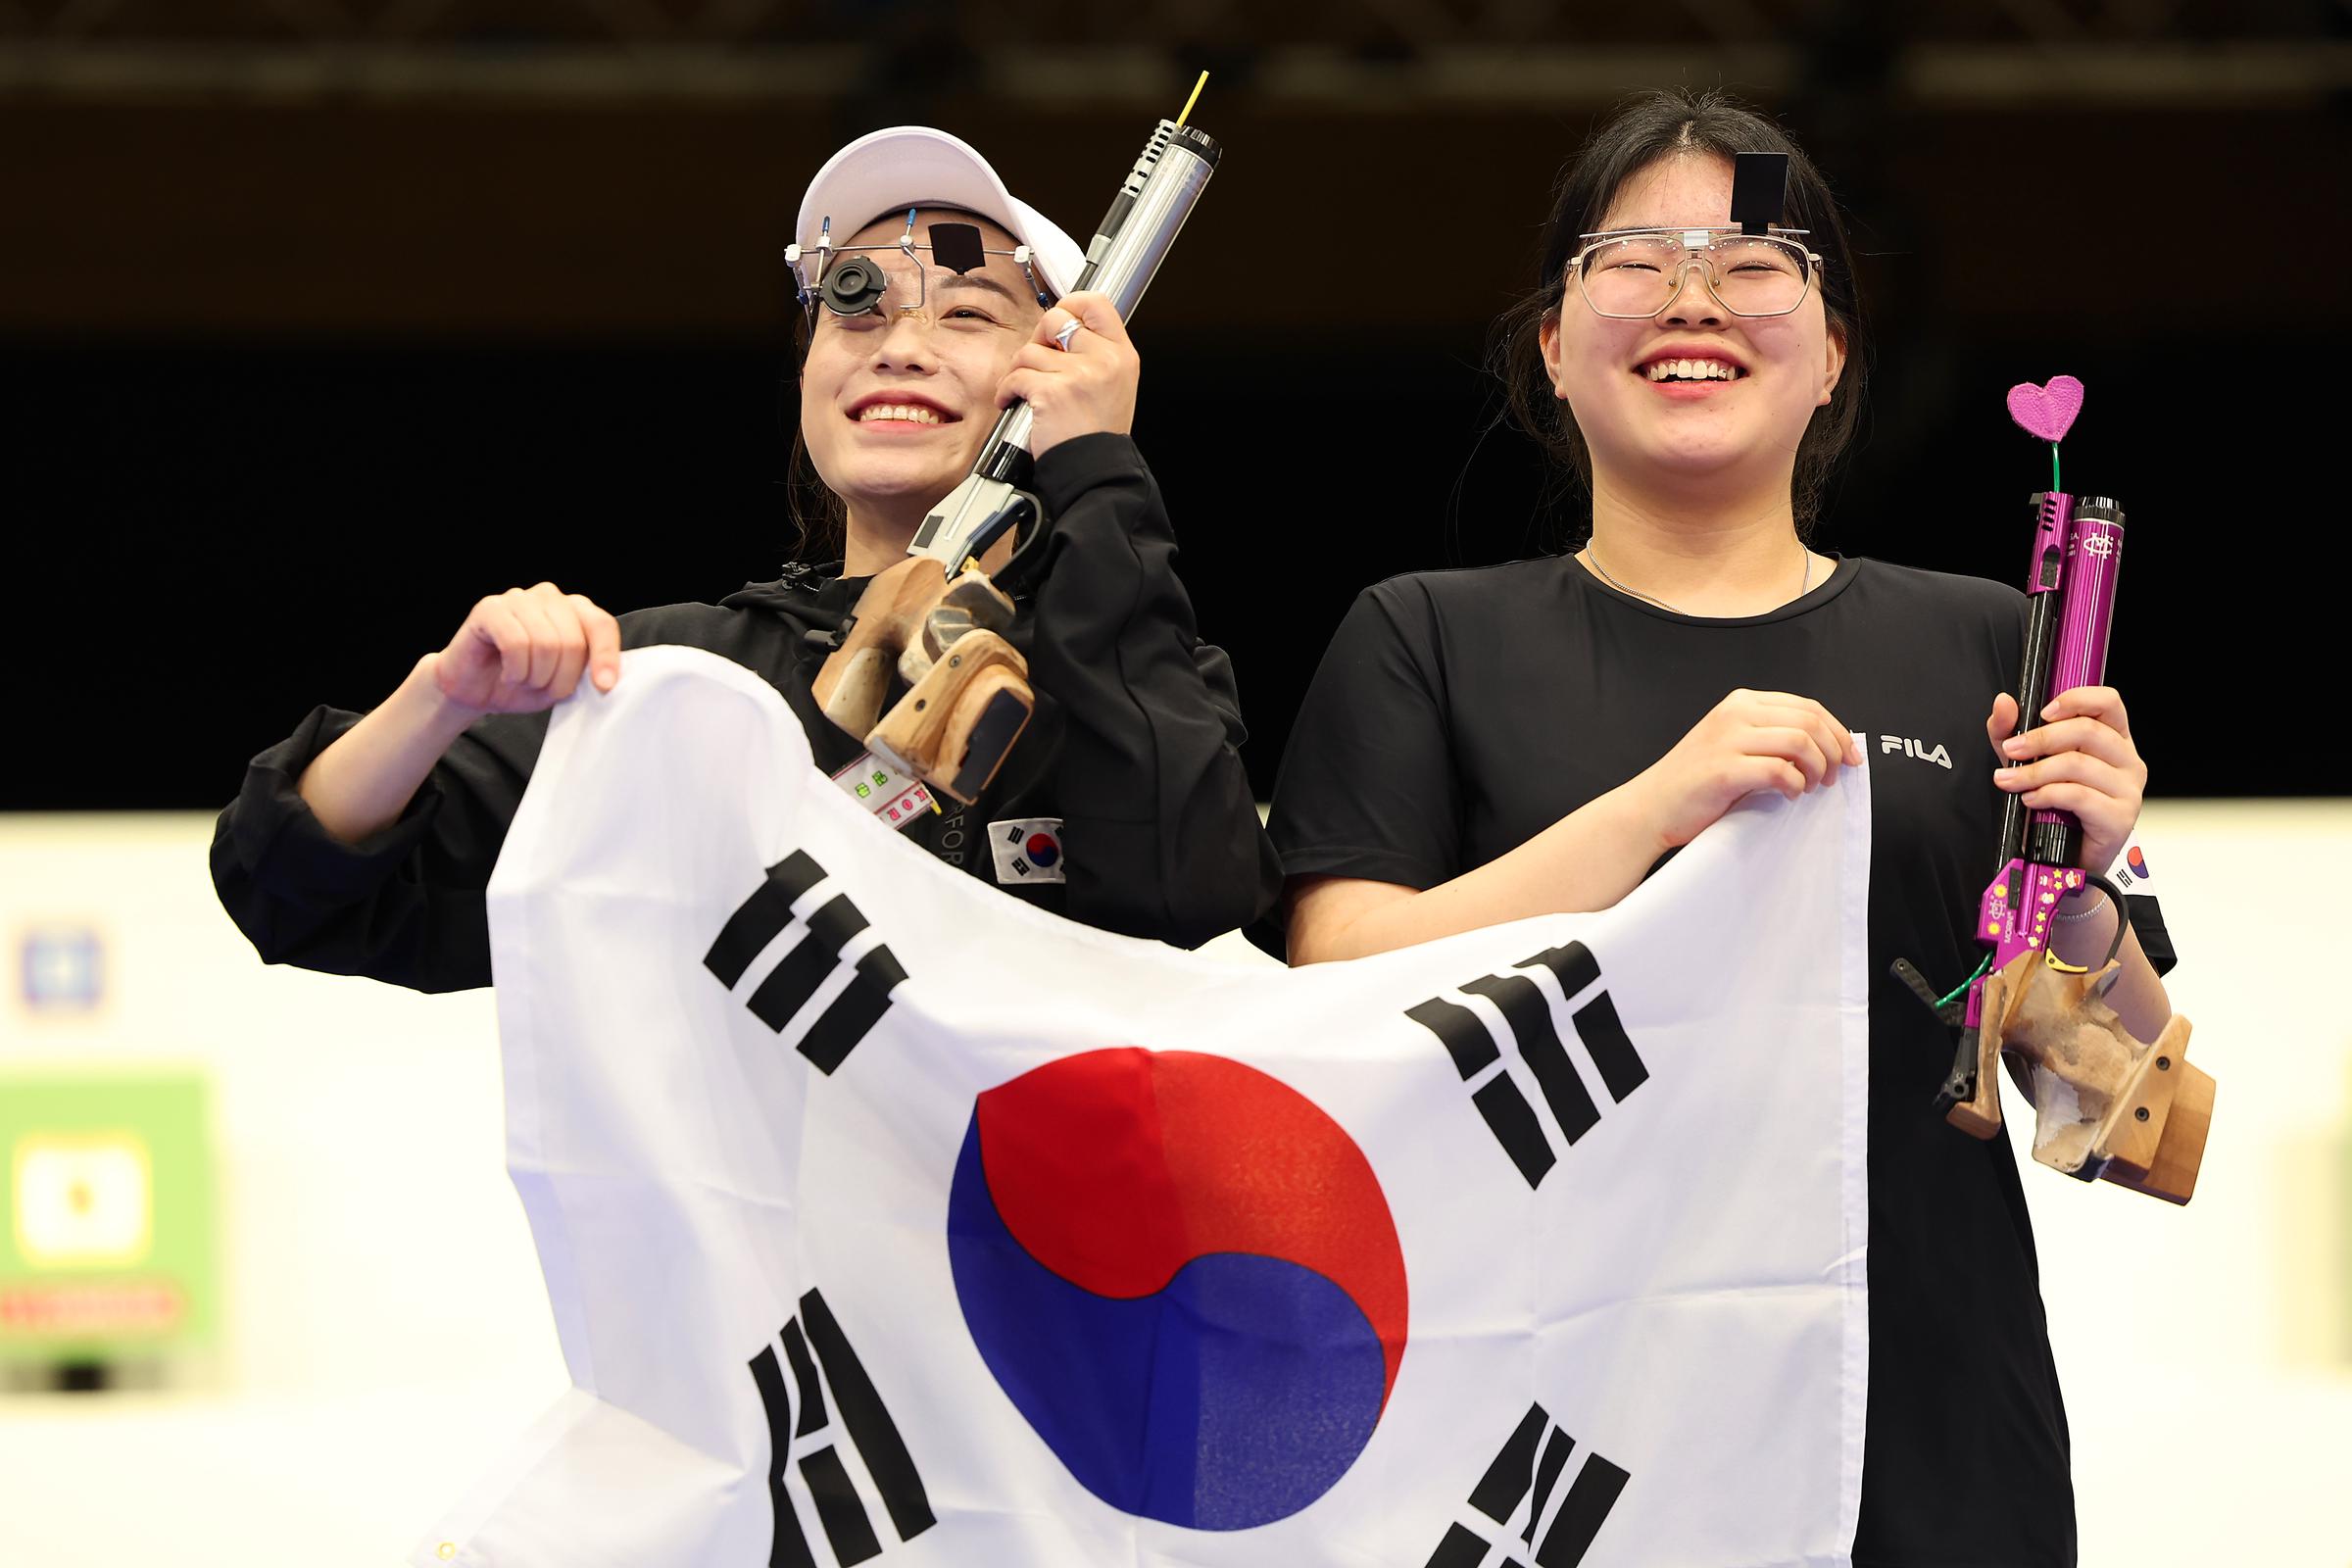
(885,1217)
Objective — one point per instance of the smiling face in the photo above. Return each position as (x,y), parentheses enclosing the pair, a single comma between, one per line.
(1695,394)
(896,404)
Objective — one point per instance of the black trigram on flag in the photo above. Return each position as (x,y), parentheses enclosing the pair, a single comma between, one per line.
(1521,1475)
(813,958)
(805,1440)
(1528,1027)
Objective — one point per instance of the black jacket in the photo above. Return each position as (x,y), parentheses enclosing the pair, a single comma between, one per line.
(1134,746)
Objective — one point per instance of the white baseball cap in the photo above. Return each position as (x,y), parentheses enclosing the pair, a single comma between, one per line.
(914,166)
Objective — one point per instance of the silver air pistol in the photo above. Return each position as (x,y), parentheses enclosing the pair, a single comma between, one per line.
(935,621)
(1129,244)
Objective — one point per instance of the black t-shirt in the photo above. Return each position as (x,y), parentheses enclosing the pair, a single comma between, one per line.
(1456,715)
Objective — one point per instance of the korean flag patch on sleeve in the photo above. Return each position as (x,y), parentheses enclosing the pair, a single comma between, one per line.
(2134,875)
(1028,849)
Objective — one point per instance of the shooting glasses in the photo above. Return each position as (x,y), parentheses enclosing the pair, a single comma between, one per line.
(851,279)
(1631,274)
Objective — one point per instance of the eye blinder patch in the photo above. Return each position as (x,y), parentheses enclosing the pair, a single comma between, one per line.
(958,247)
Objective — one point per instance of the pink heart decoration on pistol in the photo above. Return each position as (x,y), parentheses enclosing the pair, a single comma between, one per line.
(2047,412)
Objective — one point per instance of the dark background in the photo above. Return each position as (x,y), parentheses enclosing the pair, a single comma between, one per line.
(320,318)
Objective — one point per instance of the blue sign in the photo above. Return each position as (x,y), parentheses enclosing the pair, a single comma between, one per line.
(62,969)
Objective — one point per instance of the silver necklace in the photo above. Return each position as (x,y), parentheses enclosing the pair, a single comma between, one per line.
(1802,588)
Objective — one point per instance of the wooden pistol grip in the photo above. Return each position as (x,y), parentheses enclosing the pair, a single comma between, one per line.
(962,707)
(2155,1139)
(856,676)
(982,603)
(2181,1149)
(971,602)
(990,716)
(2005,994)
(2106,1105)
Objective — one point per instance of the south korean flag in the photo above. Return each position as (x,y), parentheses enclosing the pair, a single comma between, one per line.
(1539,1245)
(1028,849)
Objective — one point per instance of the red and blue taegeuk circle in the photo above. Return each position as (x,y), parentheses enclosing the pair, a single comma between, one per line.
(1186,1277)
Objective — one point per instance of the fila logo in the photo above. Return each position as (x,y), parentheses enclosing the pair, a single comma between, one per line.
(1529,1028)
(1518,1476)
(812,959)
(810,1444)
(1919,748)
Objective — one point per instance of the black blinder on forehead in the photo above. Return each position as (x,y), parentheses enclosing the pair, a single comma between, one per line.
(958,247)
(1760,190)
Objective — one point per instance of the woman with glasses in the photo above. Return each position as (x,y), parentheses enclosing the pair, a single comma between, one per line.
(1489,745)
(362,843)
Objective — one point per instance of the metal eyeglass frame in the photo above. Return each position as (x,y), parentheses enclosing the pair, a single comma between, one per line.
(1695,255)
(827,253)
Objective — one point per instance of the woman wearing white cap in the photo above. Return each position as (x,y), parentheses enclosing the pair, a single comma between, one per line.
(361,845)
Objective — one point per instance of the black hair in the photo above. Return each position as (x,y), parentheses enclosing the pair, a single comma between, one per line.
(820,519)
(1643,132)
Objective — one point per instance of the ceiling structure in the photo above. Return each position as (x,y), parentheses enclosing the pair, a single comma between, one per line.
(1360,55)
(542,170)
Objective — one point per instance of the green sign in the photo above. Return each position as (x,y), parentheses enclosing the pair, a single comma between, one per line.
(106,1186)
